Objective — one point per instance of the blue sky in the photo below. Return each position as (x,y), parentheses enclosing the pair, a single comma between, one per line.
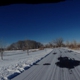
(40,22)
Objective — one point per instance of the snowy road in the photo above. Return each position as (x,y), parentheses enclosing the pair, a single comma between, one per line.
(61,64)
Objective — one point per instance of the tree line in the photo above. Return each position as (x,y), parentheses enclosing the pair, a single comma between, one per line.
(23,45)
(59,42)
(30,44)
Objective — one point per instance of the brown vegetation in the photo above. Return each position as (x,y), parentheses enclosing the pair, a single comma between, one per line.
(41,48)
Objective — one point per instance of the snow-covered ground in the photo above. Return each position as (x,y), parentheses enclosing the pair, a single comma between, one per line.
(77,50)
(16,61)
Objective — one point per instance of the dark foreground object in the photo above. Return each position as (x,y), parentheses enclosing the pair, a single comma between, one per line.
(8,2)
(65,62)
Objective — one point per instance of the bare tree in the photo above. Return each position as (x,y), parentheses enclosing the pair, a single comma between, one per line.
(27,47)
(74,43)
(67,43)
(58,42)
(1,49)
(50,44)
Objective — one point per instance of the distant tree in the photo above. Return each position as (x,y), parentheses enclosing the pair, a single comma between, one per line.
(74,44)
(78,45)
(50,44)
(27,46)
(58,42)
(67,43)
(1,49)
(47,45)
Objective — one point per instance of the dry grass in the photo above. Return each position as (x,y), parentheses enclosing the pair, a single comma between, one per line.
(41,48)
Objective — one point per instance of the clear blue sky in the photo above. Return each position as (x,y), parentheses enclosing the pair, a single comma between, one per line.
(40,22)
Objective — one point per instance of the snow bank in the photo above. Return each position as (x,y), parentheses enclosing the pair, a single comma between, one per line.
(16,61)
